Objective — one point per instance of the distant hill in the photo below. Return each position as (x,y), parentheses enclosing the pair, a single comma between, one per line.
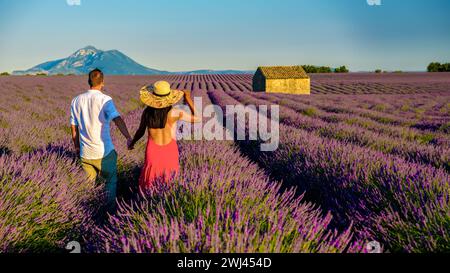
(207,72)
(111,62)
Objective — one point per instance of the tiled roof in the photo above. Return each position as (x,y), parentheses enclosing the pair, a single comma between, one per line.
(283,72)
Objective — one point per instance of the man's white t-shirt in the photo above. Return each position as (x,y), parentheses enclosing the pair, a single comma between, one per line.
(93,112)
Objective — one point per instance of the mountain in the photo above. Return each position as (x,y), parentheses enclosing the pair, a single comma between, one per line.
(111,62)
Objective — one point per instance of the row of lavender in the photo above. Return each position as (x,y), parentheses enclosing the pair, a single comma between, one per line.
(424,105)
(352,83)
(34,110)
(27,126)
(295,114)
(423,118)
(425,112)
(404,205)
(45,200)
(220,203)
(343,110)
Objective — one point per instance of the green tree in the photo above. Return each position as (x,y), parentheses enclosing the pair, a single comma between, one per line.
(342,69)
(4,74)
(317,69)
(434,67)
(446,67)
(310,69)
(325,69)
(438,67)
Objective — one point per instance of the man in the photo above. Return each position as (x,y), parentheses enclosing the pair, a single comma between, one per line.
(90,116)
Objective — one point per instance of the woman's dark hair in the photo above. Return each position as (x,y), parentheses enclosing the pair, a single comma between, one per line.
(156,118)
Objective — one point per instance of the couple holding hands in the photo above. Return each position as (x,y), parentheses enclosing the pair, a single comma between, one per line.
(90,117)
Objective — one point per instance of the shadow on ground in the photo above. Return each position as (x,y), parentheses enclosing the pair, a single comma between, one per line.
(128,184)
(4,151)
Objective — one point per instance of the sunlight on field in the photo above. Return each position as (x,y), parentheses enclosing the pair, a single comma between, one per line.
(365,158)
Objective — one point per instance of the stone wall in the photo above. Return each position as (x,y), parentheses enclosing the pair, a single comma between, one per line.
(289,86)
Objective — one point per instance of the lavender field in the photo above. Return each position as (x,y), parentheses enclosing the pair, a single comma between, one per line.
(365,158)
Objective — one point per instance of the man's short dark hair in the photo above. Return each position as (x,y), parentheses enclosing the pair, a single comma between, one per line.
(95,77)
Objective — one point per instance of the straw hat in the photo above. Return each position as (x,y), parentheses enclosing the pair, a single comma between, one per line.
(159,95)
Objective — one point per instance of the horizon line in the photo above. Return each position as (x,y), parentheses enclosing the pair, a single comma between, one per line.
(217,69)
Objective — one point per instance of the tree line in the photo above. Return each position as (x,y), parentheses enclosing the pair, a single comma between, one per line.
(324,69)
(432,67)
(438,67)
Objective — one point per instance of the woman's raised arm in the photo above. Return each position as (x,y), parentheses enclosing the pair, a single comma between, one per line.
(187,117)
(183,115)
(190,103)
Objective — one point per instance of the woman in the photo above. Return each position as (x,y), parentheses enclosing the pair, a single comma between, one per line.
(160,120)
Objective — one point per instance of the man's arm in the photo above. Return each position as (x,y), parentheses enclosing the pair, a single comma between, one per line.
(113,114)
(76,138)
(123,129)
(74,128)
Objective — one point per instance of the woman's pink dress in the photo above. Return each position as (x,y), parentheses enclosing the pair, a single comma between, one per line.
(161,163)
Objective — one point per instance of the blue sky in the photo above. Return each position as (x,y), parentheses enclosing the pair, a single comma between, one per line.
(180,35)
